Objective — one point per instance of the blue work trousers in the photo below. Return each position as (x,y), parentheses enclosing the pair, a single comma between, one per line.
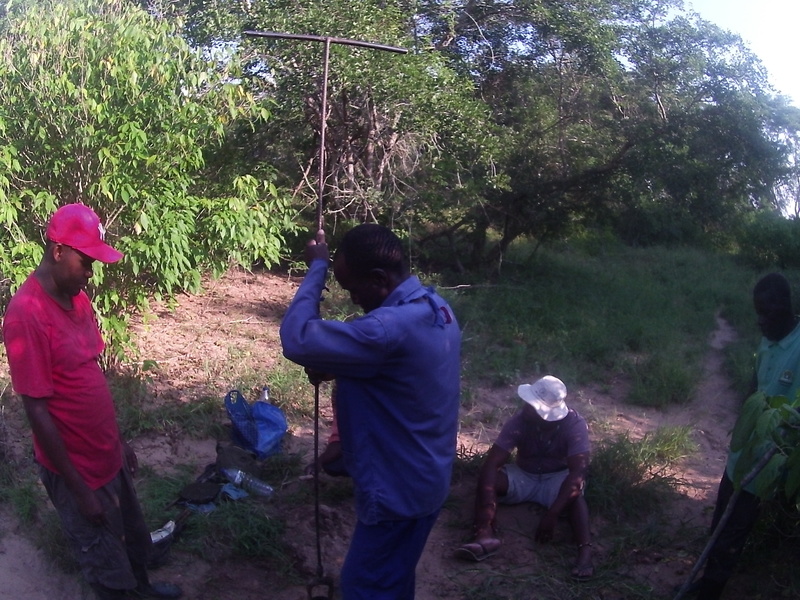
(382,559)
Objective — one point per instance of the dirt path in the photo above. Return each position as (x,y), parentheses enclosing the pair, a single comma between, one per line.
(712,413)
(26,572)
(237,319)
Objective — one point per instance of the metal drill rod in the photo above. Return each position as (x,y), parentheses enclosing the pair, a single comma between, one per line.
(321,579)
(327,40)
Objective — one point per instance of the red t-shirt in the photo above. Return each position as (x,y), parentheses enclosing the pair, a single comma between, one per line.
(52,354)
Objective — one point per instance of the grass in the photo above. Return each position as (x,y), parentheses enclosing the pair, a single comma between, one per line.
(642,312)
(630,478)
(138,412)
(291,391)
(19,486)
(587,312)
(249,528)
(244,529)
(467,464)
(204,416)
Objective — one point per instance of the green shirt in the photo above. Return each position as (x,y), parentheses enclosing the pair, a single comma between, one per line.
(778,374)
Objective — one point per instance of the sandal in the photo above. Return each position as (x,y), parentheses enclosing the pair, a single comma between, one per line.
(584,571)
(478,550)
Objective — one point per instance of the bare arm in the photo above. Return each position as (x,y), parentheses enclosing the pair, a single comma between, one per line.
(571,488)
(52,445)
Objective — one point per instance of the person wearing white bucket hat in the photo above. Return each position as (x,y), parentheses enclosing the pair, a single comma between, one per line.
(547,397)
(553,451)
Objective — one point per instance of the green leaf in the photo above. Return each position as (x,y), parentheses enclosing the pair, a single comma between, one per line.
(767,424)
(777,401)
(792,486)
(766,481)
(748,418)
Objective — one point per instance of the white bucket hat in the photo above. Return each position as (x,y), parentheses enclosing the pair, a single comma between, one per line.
(547,396)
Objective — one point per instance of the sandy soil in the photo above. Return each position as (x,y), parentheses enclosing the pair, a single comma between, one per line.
(236,320)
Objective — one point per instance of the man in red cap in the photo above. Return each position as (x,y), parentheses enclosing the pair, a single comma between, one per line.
(552,444)
(53,343)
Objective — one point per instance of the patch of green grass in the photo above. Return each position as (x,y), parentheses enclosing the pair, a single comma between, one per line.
(280,468)
(25,496)
(138,412)
(546,580)
(630,478)
(587,316)
(740,362)
(249,527)
(157,493)
(480,420)
(336,303)
(292,392)
(19,482)
(246,528)
(49,536)
(666,378)
(202,418)
(467,464)
(8,464)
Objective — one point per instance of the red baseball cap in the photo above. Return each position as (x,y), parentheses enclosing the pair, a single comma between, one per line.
(77,226)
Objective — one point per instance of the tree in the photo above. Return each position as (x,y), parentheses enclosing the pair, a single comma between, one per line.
(619,112)
(408,143)
(518,118)
(105,105)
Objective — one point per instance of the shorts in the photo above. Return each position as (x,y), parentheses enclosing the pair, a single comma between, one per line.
(105,553)
(529,487)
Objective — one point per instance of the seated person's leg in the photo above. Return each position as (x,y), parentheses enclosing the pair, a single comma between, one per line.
(579,519)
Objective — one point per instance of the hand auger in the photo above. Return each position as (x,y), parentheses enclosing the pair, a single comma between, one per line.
(321,580)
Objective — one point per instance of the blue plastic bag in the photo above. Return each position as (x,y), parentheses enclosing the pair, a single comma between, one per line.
(258,428)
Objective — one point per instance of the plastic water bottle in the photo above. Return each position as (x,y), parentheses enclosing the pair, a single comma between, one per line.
(248,483)
(264,397)
(161,534)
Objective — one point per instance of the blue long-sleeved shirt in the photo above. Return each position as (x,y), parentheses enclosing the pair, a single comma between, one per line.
(397,372)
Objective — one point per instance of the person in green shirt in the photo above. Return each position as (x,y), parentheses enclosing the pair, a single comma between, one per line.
(777,374)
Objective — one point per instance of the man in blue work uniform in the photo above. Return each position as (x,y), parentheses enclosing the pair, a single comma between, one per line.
(397,371)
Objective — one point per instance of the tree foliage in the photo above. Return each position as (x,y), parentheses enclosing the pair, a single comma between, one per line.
(644,109)
(515,118)
(505,119)
(406,136)
(767,239)
(102,104)
(768,423)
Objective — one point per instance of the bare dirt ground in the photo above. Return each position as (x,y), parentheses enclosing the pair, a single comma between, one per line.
(236,319)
